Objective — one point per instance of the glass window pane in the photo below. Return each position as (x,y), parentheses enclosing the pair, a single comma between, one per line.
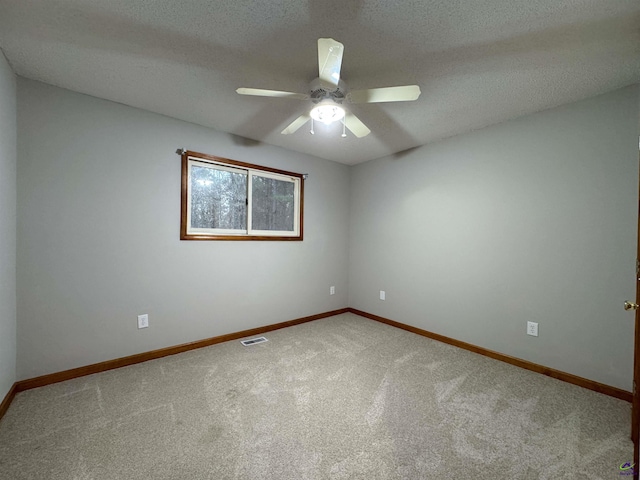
(218,199)
(273,204)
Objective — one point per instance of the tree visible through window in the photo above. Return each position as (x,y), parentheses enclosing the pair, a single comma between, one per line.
(218,198)
(225,199)
(273,206)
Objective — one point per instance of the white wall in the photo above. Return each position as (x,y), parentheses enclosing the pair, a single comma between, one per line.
(534,219)
(99,224)
(7,227)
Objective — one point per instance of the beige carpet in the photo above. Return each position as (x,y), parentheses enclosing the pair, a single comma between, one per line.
(338,398)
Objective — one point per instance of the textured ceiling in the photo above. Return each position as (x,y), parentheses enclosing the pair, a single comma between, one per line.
(477,62)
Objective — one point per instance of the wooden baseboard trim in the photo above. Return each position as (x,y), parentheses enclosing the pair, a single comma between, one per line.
(534,367)
(163,352)
(8,398)
(43,380)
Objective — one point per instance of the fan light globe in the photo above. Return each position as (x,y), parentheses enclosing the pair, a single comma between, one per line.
(327,113)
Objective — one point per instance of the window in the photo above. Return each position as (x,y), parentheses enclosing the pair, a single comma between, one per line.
(225,199)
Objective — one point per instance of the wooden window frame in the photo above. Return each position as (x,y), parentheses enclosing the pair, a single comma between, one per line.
(201,157)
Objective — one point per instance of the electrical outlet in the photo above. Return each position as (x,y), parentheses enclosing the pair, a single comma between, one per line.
(143,321)
(383,295)
(332,290)
(532,329)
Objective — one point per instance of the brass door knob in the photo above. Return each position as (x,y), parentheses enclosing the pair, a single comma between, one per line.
(631,306)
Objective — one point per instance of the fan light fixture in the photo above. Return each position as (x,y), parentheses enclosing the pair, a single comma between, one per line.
(328,91)
(327,112)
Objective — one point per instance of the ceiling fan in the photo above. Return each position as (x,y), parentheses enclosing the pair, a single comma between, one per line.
(328,93)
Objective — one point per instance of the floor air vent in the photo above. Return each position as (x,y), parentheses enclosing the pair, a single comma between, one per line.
(253,341)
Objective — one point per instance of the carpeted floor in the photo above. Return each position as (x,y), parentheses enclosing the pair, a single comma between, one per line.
(338,398)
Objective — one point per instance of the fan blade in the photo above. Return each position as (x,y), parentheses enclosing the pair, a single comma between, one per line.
(271,93)
(329,61)
(356,127)
(405,93)
(296,124)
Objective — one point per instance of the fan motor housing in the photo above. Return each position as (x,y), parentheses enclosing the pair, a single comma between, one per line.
(320,92)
